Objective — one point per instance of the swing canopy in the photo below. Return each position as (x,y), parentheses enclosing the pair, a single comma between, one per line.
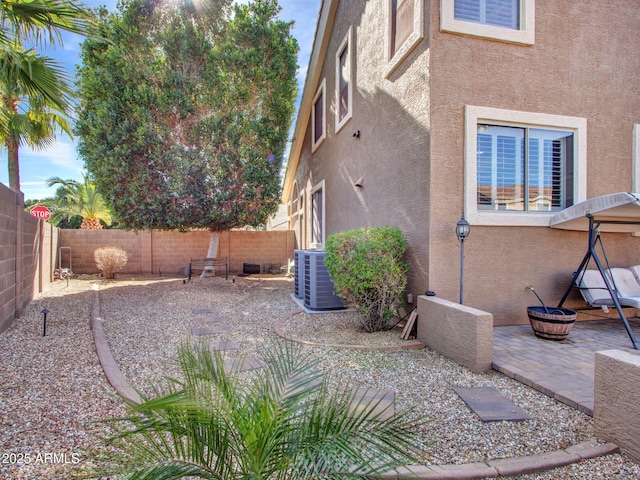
(616,212)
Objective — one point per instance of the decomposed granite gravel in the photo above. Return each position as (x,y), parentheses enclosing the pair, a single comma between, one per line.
(52,387)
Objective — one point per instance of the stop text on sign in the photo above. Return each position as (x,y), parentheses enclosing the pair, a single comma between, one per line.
(40,212)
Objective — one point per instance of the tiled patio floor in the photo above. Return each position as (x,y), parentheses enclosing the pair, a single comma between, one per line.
(563,370)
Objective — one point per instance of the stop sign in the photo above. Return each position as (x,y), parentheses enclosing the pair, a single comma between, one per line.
(40,212)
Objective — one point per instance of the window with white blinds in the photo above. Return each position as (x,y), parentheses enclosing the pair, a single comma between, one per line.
(501,13)
(521,167)
(524,169)
(505,20)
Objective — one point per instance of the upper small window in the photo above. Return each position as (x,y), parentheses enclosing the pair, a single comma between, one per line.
(501,13)
(506,20)
(318,118)
(406,29)
(343,82)
(317,216)
(401,23)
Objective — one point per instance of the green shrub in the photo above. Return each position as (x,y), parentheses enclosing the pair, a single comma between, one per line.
(366,267)
(110,260)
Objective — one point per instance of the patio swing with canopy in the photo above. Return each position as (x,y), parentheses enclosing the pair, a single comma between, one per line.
(616,213)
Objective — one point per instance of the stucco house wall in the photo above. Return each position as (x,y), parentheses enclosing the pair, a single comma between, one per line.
(580,63)
(390,155)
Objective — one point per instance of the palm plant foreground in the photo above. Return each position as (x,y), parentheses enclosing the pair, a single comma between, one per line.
(283,422)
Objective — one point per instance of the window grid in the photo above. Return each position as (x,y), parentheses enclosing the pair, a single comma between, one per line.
(512,177)
(511,21)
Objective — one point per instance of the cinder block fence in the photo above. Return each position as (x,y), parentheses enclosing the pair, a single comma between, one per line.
(166,253)
(26,253)
(31,249)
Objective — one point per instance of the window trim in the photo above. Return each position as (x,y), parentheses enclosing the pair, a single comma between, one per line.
(394,61)
(344,45)
(497,116)
(317,187)
(321,91)
(525,35)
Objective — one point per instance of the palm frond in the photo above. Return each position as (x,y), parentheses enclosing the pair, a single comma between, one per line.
(284,422)
(30,20)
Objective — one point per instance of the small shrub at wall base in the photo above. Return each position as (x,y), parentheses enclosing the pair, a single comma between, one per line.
(110,260)
(366,267)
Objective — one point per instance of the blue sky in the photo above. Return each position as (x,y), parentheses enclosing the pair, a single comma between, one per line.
(61,160)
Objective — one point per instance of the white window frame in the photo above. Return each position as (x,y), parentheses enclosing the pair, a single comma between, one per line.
(297,214)
(321,91)
(525,35)
(495,116)
(314,189)
(346,44)
(394,61)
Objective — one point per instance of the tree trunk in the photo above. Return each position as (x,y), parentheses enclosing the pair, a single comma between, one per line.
(214,242)
(14,166)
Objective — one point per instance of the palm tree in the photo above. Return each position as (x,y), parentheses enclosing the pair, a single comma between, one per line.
(35,100)
(73,198)
(35,91)
(282,423)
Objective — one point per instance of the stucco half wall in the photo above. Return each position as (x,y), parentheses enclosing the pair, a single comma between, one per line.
(461,333)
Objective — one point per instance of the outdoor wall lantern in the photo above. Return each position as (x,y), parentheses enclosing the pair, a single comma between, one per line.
(463,229)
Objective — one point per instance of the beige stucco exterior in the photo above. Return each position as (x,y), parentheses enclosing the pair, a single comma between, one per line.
(410,152)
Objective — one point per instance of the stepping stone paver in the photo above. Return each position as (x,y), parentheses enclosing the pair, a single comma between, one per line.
(235,365)
(202,311)
(382,402)
(225,346)
(490,405)
(211,330)
(212,319)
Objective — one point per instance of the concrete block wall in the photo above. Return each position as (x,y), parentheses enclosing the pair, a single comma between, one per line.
(463,334)
(161,252)
(83,244)
(26,244)
(29,236)
(8,239)
(617,400)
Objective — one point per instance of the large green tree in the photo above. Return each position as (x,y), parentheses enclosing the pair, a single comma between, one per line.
(35,91)
(185,114)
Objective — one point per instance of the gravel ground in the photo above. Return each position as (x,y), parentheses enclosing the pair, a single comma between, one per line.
(53,387)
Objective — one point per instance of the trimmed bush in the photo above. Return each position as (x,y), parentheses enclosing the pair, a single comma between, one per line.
(110,260)
(366,267)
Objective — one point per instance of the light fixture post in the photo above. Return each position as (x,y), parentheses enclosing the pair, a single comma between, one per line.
(463,229)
